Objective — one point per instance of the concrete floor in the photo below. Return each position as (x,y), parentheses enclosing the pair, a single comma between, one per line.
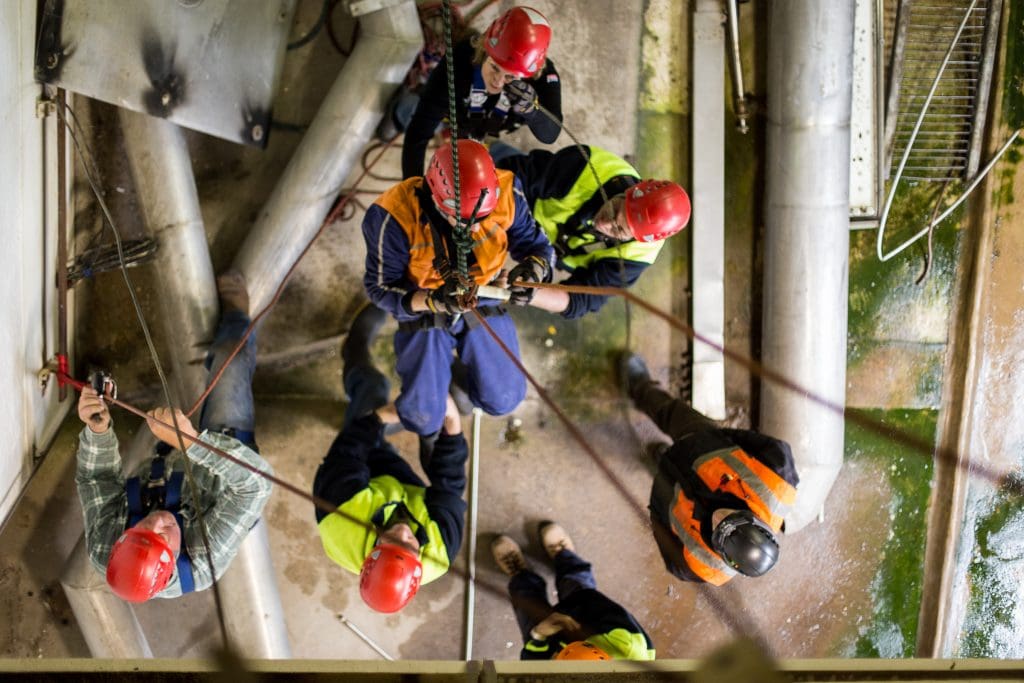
(817,602)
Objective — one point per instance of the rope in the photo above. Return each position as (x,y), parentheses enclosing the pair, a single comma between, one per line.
(331,216)
(461,231)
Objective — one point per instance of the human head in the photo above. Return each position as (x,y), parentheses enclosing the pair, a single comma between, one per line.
(518,40)
(744,541)
(391,573)
(141,562)
(582,650)
(476,174)
(656,210)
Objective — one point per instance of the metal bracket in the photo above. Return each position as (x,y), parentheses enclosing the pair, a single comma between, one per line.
(357,8)
(45,107)
(46,372)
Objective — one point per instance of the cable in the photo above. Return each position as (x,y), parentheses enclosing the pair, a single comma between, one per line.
(332,215)
(317,27)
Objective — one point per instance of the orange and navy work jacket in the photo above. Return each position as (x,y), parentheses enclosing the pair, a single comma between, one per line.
(400,247)
(722,468)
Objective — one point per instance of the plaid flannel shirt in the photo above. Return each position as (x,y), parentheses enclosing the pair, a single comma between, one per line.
(231,498)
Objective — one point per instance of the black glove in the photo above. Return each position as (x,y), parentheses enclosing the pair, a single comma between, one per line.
(450,298)
(532,269)
(522,97)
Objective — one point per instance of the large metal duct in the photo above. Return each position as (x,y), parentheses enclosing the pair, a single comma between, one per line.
(810,76)
(159,158)
(388,43)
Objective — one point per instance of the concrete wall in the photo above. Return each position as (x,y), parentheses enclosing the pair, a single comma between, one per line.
(28,223)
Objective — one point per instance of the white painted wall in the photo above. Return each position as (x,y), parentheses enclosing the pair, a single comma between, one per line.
(29,415)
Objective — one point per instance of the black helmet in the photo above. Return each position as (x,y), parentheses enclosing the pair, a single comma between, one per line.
(746,543)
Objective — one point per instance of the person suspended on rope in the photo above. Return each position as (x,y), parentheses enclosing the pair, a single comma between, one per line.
(585,624)
(502,80)
(602,238)
(415,236)
(720,496)
(393,530)
(144,532)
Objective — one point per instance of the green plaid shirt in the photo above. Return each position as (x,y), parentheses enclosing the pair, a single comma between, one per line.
(231,497)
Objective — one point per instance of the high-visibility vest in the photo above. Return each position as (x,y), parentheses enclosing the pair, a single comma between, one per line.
(583,249)
(349,537)
(733,471)
(490,241)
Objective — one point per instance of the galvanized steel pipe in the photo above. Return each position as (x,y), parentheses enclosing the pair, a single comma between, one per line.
(810,80)
(389,41)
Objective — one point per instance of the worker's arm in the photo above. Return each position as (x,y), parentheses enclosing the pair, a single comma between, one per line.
(605,272)
(387,260)
(446,470)
(100,482)
(549,95)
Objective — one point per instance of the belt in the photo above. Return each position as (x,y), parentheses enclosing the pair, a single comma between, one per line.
(432,321)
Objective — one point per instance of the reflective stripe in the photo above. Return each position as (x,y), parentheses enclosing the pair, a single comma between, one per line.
(732,470)
(535,646)
(622,644)
(702,560)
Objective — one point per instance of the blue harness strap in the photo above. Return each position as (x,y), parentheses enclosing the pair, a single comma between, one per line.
(165,496)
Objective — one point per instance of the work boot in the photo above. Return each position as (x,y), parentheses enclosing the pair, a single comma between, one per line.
(632,372)
(361,334)
(508,555)
(554,539)
(231,289)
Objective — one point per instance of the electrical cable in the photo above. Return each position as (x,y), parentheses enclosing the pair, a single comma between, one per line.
(317,27)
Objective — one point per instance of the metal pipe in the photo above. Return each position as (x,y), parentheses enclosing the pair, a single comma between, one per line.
(166,188)
(810,80)
(474,481)
(389,41)
(107,622)
(739,95)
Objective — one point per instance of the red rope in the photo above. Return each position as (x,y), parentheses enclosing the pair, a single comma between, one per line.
(331,216)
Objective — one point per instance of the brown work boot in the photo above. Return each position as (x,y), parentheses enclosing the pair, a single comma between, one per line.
(232,290)
(508,555)
(554,539)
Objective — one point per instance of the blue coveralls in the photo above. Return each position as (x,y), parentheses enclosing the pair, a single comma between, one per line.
(399,262)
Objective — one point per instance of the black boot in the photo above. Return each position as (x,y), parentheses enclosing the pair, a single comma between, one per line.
(361,334)
(632,372)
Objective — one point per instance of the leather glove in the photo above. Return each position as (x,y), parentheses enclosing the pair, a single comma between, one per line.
(532,269)
(450,298)
(522,97)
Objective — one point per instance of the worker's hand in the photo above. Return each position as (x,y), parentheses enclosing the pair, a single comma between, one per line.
(93,411)
(556,622)
(452,420)
(388,414)
(522,97)
(532,269)
(450,298)
(167,434)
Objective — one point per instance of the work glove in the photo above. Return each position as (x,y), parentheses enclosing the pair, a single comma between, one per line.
(532,269)
(522,97)
(451,298)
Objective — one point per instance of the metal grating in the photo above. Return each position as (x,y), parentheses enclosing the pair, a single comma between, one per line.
(944,147)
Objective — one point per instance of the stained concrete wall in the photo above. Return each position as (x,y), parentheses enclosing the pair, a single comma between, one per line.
(28,414)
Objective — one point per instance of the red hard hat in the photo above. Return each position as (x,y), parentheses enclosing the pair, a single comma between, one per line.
(390,577)
(140,565)
(656,209)
(581,649)
(518,41)
(476,173)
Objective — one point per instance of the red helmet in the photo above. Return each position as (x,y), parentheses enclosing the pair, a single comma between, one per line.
(140,565)
(518,41)
(581,649)
(476,173)
(656,209)
(390,577)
